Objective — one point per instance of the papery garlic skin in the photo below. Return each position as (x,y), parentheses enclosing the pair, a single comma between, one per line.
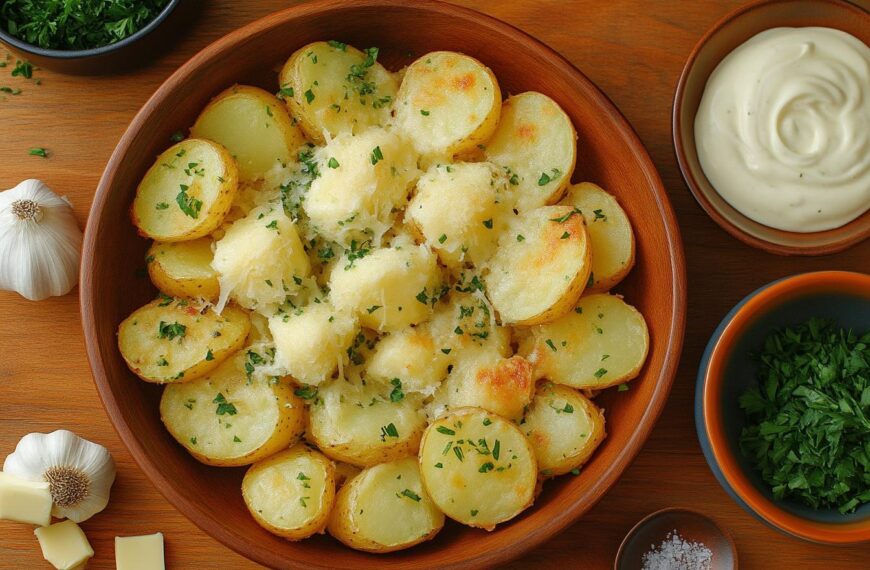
(38,455)
(40,242)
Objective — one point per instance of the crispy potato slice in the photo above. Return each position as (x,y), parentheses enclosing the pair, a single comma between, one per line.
(541,266)
(186,193)
(389,288)
(228,419)
(448,103)
(603,342)
(487,380)
(253,125)
(610,234)
(459,210)
(364,181)
(335,88)
(310,346)
(292,492)
(564,426)
(260,259)
(385,508)
(183,269)
(536,144)
(478,467)
(359,423)
(173,340)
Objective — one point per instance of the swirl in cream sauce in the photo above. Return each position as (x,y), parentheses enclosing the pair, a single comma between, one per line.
(783,128)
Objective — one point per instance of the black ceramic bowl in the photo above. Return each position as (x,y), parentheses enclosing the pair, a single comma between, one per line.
(124,54)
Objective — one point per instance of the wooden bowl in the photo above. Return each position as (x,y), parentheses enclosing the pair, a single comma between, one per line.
(113,282)
(717,43)
(691,525)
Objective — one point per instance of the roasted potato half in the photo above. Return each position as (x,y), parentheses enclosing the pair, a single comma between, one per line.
(541,266)
(183,269)
(186,193)
(174,340)
(335,88)
(229,418)
(485,379)
(385,508)
(292,492)
(253,125)
(478,467)
(610,234)
(448,103)
(459,210)
(360,424)
(537,146)
(412,357)
(602,342)
(564,426)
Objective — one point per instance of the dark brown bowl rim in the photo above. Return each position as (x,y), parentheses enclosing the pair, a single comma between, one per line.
(833,246)
(642,522)
(676,327)
(67,54)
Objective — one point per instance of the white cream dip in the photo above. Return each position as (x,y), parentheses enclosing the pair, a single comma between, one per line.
(783,128)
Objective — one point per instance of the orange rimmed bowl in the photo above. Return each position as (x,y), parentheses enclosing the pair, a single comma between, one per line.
(610,154)
(727,370)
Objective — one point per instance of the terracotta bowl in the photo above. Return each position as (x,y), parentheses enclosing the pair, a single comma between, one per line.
(727,370)
(691,525)
(113,284)
(717,43)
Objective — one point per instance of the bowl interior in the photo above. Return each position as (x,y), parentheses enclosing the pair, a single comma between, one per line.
(113,282)
(848,310)
(691,526)
(718,43)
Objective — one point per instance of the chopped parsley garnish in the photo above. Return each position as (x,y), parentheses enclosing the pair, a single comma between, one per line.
(224,407)
(309,96)
(209,356)
(188,204)
(599,215)
(474,512)
(377,155)
(547,178)
(177,136)
(357,78)
(565,235)
(373,308)
(171,330)
(496,449)
(424,112)
(600,372)
(333,163)
(411,495)
(161,206)
(357,251)
(458,452)
(236,439)
(39,151)
(443,238)
(487,421)
(486,467)
(622,388)
(273,225)
(284,92)
(445,430)
(337,45)
(487,224)
(550,344)
(22,68)
(521,237)
(396,395)
(807,425)
(566,217)
(389,430)
(306,392)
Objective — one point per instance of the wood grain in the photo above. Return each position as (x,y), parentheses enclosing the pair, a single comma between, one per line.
(632,50)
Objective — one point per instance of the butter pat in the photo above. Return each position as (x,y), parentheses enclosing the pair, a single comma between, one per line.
(64,545)
(24,501)
(139,552)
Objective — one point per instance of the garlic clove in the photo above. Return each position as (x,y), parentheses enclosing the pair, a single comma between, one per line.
(40,242)
(80,473)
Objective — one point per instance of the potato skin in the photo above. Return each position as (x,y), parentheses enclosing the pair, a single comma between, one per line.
(297,462)
(155,359)
(183,269)
(155,212)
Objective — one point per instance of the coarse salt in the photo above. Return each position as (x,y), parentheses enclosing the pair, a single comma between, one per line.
(677,553)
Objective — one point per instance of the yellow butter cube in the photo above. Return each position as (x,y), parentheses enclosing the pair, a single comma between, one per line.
(64,545)
(139,552)
(24,501)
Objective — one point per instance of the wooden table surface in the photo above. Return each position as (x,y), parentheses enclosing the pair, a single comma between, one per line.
(633,49)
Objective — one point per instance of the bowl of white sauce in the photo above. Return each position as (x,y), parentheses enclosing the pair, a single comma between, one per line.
(771,125)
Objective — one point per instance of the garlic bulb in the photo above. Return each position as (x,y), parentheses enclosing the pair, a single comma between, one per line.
(79,473)
(40,242)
